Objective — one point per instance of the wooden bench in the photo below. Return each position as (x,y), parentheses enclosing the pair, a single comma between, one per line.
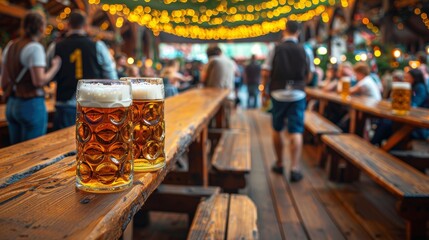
(407,184)
(317,125)
(231,160)
(225,216)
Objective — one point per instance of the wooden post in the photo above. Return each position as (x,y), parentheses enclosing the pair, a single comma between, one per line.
(416,229)
(334,166)
(198,165)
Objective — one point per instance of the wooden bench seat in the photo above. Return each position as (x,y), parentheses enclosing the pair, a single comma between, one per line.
(317,125)
(225,216)
(231,160)
(407,184)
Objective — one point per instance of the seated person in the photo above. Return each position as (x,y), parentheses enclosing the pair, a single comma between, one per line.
(419,98)
(365,85)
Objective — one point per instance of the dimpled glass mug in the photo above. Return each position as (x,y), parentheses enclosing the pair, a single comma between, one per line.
(148,123)
(104,136)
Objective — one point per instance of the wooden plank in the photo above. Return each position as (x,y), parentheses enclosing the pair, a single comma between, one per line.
(232,153)
(242,218)
(34,155)
(316,124)
(327,193)
(210,220)
(259,190)
(46,205)
(417,116)
(239,120)
(397,177)
(288,217)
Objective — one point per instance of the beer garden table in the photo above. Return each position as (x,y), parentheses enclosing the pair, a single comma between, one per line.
(38,198)
(361,107)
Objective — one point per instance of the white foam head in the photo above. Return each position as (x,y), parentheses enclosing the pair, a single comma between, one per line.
(147,88)
(345,79)
(401,85)
(93,94)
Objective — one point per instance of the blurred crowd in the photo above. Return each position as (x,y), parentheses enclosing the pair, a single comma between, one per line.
(53,74)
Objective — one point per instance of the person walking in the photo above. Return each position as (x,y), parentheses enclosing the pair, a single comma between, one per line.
(286,67)
(252,77)
(82,58)
(24,75)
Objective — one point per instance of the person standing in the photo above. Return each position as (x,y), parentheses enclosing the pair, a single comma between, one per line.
(287,66)
(252,77)
(82,58)
(23,78)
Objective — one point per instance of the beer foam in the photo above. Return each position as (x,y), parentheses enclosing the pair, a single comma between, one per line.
(401,85)
(345,79)
(148,91)
(104,96)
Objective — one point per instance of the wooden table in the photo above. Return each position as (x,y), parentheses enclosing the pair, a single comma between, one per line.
(38,198)
(50,107)
(362,108)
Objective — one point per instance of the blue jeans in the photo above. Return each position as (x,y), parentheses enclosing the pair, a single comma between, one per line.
(27,118)
(65,116)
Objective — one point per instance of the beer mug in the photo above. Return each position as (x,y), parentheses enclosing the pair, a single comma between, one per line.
(345,87)
(148,123)
(104,136)
(401,98)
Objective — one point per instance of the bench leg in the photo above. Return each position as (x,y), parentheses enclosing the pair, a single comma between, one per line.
(416,229)
(334,166)
(198,162)
(351,173)
(323,156)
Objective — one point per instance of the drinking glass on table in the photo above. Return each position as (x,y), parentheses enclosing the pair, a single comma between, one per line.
(401,98)
(148,123)
(104,136)
(345,87)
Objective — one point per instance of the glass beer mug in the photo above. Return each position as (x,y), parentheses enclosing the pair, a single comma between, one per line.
(401,98)
(104,136)
(345,87)
(148,123)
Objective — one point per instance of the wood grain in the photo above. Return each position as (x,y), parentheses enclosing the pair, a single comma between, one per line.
(46,205)
(290,224)
(242,218)
(316,124)
(232,153)
(210,219)
(417,117)
(402,180)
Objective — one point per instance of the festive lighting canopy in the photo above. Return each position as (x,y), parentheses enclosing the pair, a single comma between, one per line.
(215,19)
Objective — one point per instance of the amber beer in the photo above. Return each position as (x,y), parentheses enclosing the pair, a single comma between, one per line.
(148,122)
(104,136)
(401,98)
(345,87)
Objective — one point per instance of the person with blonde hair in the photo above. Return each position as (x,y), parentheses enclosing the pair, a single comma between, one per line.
(24,75)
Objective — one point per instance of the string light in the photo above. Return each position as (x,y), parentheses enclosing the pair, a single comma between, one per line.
(245,20)
(397,53)
(316,61)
